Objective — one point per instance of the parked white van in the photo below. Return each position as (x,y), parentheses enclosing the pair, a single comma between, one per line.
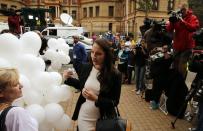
(62,31)
(66,33)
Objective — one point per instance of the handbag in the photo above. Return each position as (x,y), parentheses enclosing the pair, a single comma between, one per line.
(114,123)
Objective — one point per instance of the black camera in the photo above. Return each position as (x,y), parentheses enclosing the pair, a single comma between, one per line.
(175,15)
(147,25)
(138,46)
(160,25)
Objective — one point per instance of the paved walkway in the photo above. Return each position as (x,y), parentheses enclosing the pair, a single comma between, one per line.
(137,111)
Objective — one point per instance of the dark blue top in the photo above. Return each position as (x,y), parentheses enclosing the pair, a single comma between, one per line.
(79,53)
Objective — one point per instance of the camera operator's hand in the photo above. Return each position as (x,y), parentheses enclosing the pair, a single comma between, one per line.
(181,19)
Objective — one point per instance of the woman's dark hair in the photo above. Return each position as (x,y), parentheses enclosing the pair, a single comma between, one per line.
(127,38)
(108,66)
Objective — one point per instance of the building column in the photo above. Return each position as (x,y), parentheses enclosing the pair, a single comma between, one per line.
(58,11)
(46,14)
(56,8)
(126,18)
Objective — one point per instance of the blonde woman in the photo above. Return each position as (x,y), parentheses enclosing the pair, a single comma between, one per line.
(17,118)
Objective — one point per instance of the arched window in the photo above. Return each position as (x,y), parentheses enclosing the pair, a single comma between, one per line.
(155,4)
(171,4)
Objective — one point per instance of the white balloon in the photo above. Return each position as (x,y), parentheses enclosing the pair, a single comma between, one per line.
(31,96)
(50,54)
(58,94)
(50,69)
(11,46)
(56,78)
(37,112)
(31,43)
(24,81)
(67,93)
(39,87)
(65,48)
(64,59)
(42,82)
(61,41)
(63,124)
(4,63)
(56,65)
(53,43)
(30,65)
(53,112)
(67,60)
(41,63)
(55,95)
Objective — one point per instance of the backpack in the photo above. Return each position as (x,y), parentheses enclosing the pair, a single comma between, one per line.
(3,118)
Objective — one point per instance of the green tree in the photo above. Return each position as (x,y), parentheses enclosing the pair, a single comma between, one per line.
(196,6)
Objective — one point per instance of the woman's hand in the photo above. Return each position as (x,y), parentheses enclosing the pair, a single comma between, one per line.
(89,94)
(67,74)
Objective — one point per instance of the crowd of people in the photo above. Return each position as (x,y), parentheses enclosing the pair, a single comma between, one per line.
(129,56)
(113,58)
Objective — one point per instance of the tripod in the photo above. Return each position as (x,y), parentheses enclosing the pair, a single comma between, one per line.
(194,88)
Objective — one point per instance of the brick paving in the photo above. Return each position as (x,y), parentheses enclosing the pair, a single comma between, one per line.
(137,111)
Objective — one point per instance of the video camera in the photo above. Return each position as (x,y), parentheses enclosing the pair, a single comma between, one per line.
(160,36)
(174,15)
(147,25)
(138,46)
(159,25)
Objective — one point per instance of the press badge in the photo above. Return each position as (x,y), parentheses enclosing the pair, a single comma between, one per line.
(74,56)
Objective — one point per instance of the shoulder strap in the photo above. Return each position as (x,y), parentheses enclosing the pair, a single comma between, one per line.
(3,118)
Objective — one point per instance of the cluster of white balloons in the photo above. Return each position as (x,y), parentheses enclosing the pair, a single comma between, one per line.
(58,53)
(42,90)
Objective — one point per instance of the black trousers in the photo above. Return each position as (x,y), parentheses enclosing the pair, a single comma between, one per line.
(160,84)
(130,70)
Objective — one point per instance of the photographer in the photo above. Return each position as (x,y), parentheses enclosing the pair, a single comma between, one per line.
(141,55)
(152,36)
(196,65)
(184,27)
(160,69)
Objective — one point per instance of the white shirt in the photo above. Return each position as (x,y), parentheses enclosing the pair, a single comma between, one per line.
(18,119)
(89,113)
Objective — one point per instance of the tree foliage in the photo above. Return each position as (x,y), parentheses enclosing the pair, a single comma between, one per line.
(145,5)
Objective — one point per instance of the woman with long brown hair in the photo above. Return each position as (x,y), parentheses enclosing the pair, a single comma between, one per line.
(100,85)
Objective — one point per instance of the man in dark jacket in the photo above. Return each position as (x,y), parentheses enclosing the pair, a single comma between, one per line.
(79,54)
(183,42)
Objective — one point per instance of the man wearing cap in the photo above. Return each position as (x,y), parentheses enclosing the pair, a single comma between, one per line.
(79,54)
